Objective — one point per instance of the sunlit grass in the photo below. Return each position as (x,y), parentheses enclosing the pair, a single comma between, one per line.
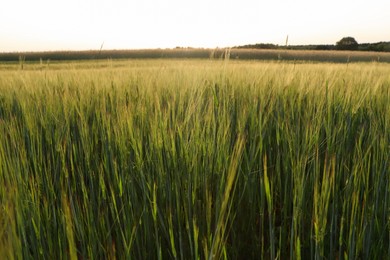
(195,159)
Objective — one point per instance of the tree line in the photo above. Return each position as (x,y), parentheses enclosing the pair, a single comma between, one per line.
(346,43)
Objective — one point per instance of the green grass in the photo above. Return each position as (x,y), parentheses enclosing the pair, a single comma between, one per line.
(195,159)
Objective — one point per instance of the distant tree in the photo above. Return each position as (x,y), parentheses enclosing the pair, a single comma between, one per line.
(324,47)
(347,43)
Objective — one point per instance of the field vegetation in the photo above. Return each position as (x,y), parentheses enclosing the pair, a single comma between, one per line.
(194,159)
(251,52)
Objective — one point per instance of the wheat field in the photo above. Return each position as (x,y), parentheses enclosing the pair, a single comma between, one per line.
(194,159)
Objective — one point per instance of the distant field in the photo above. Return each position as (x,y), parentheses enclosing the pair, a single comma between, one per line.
(195,158)
(244,54)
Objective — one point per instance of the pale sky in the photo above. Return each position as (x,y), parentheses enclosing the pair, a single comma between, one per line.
(39,25)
